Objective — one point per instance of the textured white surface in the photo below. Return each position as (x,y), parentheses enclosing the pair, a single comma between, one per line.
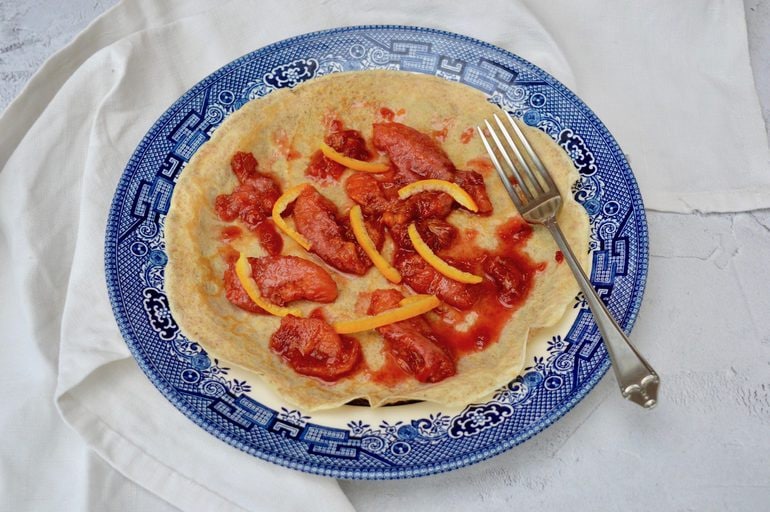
(703,324)
(32,30)
(758,24)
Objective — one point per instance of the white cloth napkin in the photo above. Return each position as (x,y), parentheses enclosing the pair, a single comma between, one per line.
(68,136)
(672,81)
(67,139)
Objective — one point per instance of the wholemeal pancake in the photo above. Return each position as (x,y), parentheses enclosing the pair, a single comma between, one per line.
(283,131)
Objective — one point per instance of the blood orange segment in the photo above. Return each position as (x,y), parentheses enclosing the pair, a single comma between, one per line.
(243,271)
(280,205)
(434,261)
(367,244)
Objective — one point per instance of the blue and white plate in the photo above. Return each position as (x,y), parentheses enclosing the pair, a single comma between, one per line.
(357,442)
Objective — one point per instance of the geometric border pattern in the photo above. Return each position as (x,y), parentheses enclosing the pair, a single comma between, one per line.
(201,388)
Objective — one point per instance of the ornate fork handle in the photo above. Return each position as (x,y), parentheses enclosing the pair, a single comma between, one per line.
(638,381)
(538,200)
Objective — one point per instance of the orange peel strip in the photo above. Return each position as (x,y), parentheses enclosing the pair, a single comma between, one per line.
(366,243)
(243,271)
(414,308)
(351,163)
(453,189)
(434,261)
(278,208)
(410,300)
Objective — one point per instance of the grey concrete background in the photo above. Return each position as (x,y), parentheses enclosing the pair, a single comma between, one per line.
(704,324)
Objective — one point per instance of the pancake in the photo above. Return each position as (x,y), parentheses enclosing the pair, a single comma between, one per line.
(283,131)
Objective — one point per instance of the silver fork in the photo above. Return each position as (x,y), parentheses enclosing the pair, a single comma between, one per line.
(539,202)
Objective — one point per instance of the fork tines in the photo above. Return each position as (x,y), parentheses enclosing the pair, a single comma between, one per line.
(530,187)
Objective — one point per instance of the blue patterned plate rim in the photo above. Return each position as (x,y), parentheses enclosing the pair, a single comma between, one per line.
(311,465)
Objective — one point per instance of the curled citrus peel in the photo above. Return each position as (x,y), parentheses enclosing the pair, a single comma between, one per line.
(351,163)
(366,243)
(417,305)
(453,189)
(410,300)
(434,261)
(278,208)
(243,271)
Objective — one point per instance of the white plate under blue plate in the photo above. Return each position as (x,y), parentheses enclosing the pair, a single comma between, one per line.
(357,442)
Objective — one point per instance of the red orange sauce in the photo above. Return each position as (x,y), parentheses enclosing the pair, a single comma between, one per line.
(466,135)
(508,274)
(440,135)
(390,373)
(230,233)
(323,170)
(480,165)
(492,311)
(494,305)
(348,142)
(387,114)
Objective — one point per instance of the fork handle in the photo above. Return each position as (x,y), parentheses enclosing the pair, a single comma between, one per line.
(638,381)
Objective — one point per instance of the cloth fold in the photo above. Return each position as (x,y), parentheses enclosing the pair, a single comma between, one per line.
(673,83)
(69,135)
